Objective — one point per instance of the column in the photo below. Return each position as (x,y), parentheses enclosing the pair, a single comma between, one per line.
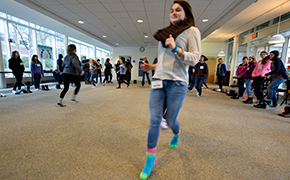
(234,60)
(2,75)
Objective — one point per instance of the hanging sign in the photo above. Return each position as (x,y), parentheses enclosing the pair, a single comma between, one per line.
(45,52)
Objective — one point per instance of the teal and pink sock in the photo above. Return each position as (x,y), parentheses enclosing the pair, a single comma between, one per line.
(174,140)
(150,162)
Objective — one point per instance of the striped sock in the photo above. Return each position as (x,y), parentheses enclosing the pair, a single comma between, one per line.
(174,140)
(150,162)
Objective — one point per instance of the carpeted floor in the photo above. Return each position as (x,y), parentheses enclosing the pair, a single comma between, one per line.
(104,137)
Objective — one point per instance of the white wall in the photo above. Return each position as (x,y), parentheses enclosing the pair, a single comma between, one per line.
(150,53)
(209,49)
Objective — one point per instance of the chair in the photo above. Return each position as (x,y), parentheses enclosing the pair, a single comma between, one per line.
(285,91)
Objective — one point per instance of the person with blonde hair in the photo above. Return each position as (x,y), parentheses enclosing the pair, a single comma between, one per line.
(179,47)
(145,73)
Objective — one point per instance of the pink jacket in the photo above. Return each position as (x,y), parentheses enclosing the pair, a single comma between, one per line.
(241,70)
(262,68)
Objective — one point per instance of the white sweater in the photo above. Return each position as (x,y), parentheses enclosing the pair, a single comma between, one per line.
(170,66)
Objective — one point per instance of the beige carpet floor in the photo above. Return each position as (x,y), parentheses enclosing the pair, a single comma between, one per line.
(104,137)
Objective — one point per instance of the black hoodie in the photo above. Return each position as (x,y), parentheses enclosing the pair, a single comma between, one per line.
(16,65)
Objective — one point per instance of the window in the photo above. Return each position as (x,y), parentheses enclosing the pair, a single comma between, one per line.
(84,52)
(4,45)
(262,26)
(91,53)
(45,46)
(22,41)
(60,47)
(242,51)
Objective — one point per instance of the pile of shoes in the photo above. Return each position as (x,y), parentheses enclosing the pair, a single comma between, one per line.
(249,100)
(44,87)
(286,112)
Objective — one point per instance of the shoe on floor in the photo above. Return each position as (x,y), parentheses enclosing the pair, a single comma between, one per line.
(14,91)
(163,124)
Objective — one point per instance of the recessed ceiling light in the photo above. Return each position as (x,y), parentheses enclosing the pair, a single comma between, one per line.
(139,20)
(104,36)
(205,20)
(81,22)
(145,36)
(117,44)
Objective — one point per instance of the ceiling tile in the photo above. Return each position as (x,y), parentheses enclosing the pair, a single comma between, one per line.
(114,6)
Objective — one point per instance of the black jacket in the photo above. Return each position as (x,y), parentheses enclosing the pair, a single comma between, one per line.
(16,65)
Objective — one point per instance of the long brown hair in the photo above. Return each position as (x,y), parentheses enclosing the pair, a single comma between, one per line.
(107,61)
(94,62)
(70,49)
(189,18)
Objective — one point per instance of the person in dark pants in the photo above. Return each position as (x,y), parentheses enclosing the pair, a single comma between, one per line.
(154,62)
(144,73)
(129,67)
(17,67)
(241,70)
(263,67)
(191,72)
(86,69)
(118,71)
(72,70)
(99,70)
(36,71)
(221,72)
(59,70)
(123,73)
(201,69)
(108,73)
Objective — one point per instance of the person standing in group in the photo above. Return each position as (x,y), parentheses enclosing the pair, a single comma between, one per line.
(154,62)
(201,74)
(145,60)
(262,68)
(221,72)
(71,71)
(59,70)
(248,76)
(178,48)
(86,69)
(94,73)
(123,73)
(99,70)
(241,80)
(129,67)
(17,67)
(191,73)
(108,73)
(118,71)
(279,76)
(36,71)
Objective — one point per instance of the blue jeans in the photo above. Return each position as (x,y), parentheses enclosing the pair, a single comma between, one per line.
(198,85)
(192,83)
(173,94)
(143,78)
(248,87)
(272,88)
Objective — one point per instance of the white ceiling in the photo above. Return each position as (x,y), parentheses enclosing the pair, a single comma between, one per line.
(256,14)
(117,19)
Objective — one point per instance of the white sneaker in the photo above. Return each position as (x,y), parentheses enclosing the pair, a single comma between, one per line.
(37,89)
(163,124)
(2,95)
(218,90)
(197,95)
(93,86)
(13,91)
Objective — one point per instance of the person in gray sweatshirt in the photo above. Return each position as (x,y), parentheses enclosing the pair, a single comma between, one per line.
(71,71)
